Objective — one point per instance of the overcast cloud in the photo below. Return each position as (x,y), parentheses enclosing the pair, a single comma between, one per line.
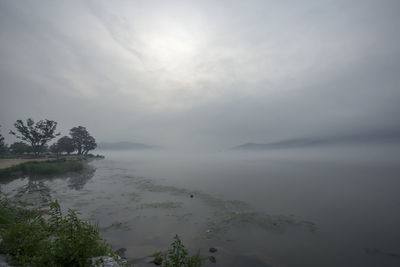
(210,74)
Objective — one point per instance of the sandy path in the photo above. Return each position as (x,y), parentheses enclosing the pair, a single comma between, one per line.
(5,163)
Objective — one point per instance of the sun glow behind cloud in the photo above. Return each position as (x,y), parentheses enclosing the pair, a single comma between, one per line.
(170,46)
(259,69)
(170,52)
(166,51)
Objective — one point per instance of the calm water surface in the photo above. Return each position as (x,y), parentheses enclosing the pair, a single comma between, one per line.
(285,208)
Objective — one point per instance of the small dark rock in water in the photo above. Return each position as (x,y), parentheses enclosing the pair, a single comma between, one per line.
(121,252)
(212,259)
(213,250)
(191,196)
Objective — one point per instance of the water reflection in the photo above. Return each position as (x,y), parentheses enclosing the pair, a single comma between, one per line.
(34,192)
(36,189)
(79,180)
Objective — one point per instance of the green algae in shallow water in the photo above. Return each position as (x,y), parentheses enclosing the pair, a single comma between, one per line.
(81,204)
(220,203)
(161,205)
(135,197)
(215,230)
(183,217)
(148,185)
(227,213)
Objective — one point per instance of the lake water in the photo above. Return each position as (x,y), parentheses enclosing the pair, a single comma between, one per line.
(306,207)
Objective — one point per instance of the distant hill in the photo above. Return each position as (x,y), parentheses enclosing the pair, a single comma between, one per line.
(293,143)
(124,145)
(364,138)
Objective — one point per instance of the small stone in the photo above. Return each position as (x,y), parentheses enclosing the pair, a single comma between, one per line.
(212,259)
(3,262)
(121,252)
(104,261)
(191,196)
(213,250)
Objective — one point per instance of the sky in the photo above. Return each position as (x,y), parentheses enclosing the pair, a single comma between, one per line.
(202,74)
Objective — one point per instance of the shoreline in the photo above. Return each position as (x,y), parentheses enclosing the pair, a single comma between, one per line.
(10,162)
(7,163)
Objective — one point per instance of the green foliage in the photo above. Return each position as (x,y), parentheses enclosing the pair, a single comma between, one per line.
(54,149)
(20,148)
(65,144)
(82,140)
(3,145)
(1,140)
(44,167)
(29,239)
(10,213)
(177,256)
(37,135)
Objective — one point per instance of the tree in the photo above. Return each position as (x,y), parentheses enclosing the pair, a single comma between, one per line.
(89,144)
(37,135)
(83,141)
(54,148)
(1,140)
(65,144)
(20,148)
(3,146)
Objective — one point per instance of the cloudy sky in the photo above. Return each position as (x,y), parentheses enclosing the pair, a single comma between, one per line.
(202,73)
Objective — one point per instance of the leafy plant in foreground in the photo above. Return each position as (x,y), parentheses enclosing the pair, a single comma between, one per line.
(29,239)
(177,256)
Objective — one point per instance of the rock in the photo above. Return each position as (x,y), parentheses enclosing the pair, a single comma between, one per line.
(121,252)
(106,261)
(191,196)
(212,259)
(3,262)
(213,250)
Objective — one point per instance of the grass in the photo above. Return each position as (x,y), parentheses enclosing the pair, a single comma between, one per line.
(37,238)
(43,167)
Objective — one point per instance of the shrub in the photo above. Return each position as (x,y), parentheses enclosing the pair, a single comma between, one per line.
(177,256)
(57,240)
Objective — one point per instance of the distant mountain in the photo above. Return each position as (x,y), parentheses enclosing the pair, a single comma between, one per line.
(122,146)
(365,138)
(293,143)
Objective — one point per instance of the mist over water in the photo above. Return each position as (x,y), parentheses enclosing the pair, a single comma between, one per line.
(349,193)
(332,206)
